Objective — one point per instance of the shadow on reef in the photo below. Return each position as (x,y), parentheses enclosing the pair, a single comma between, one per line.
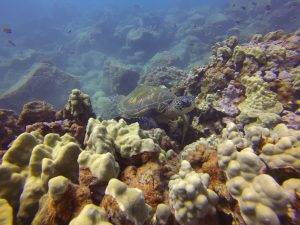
(242,166)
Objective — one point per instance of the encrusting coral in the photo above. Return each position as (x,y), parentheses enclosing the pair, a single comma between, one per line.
(260,104)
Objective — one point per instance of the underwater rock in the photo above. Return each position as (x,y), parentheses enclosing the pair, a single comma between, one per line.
(143,39)
(44,82)
(37,111)
(12,69)
(164,59)
(118,78)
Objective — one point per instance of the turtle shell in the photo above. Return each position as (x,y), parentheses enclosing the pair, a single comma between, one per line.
(143,100)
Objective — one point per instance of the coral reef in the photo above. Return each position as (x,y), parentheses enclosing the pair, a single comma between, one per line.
(240,163)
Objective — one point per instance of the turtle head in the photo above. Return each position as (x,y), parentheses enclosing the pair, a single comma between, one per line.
(181,105)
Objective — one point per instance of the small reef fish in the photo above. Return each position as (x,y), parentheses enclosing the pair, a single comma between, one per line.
(7,30)
(268,7)
(12,43)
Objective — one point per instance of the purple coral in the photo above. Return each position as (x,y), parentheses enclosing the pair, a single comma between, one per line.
(231,95)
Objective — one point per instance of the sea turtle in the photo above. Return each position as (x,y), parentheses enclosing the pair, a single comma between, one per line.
(155,105)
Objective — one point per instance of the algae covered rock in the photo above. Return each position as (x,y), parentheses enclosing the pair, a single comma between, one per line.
(61,203)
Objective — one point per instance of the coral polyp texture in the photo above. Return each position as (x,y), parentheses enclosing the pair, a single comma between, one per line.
(237,163)
(119,138)
(190,197)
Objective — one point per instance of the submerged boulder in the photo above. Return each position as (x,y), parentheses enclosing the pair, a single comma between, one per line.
(44,82)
